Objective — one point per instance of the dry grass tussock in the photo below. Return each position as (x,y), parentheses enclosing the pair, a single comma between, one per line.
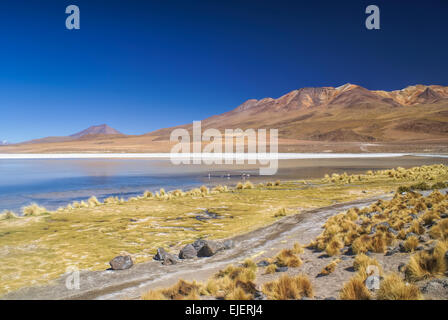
(33,210)
(428,263)
(384,223)
(392,287)
(355,289)
(330,268)
(289,288)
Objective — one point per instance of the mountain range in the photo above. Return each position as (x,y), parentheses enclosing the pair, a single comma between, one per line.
(323,117)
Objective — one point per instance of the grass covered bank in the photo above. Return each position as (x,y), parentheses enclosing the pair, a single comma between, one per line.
(42,245)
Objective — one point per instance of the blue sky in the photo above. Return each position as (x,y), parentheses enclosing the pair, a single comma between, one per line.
(143,65)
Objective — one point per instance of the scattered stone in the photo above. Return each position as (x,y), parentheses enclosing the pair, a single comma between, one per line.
(368,253)
(444,215)
(258,295)
(384,224)
(419,248)
(210,248)
(121,263)
(229,244)
(330,298)
(169,259)
(345,258)
(262,263)
(401,267)
(281,269)
(393,231)
(188,252)
(411,234)
(392,251)
(414,216)
(160,255)
(401,247)
(424,238)
(198,244)
(306,298)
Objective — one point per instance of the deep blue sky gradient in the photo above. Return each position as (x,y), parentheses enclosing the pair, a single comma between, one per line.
(142,65)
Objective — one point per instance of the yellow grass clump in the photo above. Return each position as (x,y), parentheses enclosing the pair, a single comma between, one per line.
(287,258)
(182,290)
(428,263)
(330,268)
(289,288)
(394,288)
(33,210)
(411,244)
(355,289)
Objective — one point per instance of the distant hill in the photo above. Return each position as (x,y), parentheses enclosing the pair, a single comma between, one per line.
(92,132)
(102,129)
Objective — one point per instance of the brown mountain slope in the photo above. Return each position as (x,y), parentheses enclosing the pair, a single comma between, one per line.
(346,113)
(342,119)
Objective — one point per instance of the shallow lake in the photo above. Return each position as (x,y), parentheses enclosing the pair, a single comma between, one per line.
(56,182)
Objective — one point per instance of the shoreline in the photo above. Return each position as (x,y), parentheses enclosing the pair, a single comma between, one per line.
(239,156)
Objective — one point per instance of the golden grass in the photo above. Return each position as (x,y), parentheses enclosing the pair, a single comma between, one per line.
(182,290)
(411,244)
(56,240)
(330,268)
(33,210)
(270,269)
(392,287)
(355,289)
(287,258)
(428,263)
(289,288)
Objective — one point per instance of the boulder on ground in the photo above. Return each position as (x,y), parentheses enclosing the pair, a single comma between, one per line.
(210,248)
(188,252)
(229,244)
(169,259)
(198,244)
(121,263)
(160,255)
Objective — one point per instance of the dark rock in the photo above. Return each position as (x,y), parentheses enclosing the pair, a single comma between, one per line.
(419,248)
(262,263)
(444,215)
(401,267)
(160,255)
(258,295)
(345,258)
(169,259)
(414,216)
(210,248)
(349,252)
(121,263)
(330,298)
(188,252)
(401,247)
(306,298)
(281,269)
(392,251)
(229,244)
(198,244)
(368,253)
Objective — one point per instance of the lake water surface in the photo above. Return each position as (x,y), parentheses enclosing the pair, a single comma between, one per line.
(56,182)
